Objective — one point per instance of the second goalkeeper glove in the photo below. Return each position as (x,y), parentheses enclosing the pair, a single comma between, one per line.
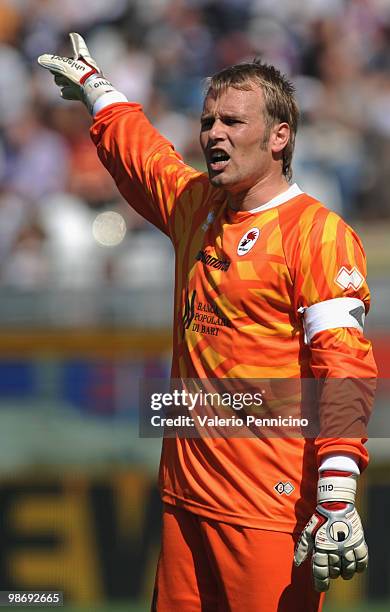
(79,78)
(334,534)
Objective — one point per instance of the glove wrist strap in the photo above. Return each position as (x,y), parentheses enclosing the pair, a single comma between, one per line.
(95,86)
(336,488)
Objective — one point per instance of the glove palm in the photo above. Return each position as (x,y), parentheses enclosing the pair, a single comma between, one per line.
(334,534)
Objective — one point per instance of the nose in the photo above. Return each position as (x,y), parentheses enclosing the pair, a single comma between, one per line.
(217,130)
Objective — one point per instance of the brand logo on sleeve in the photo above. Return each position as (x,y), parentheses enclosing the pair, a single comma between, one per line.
(248,241)
(347,278)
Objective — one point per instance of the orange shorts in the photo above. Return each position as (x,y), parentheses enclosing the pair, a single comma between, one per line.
(208,566)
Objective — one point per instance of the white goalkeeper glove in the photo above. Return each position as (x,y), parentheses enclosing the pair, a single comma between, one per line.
(334,534)
(79,78)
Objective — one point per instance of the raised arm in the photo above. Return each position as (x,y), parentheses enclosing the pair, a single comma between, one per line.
(147,170)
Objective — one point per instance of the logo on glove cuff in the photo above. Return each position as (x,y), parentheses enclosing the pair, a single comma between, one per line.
(284,487)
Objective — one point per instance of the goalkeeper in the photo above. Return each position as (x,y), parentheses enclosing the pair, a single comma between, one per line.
(260,523)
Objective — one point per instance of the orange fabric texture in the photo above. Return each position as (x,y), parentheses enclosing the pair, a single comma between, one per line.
(208,566)
(236,316)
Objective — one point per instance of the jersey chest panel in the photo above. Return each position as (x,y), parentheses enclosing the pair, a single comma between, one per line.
(236,286)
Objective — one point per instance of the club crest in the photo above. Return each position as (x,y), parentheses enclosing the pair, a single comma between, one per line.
(248,241)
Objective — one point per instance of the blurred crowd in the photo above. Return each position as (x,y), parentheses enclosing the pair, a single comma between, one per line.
(158,52)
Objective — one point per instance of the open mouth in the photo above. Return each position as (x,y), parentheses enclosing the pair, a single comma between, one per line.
(218,160)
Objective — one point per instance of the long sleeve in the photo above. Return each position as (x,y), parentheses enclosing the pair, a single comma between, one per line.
(330,265)
(148,172)
(343,358)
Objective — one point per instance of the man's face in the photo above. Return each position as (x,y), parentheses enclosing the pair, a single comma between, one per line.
(234,139)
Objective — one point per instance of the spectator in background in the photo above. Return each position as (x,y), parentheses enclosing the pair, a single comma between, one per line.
(27,266)
(36,158)
(167,47)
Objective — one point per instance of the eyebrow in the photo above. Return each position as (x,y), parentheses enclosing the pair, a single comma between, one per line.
(226,115)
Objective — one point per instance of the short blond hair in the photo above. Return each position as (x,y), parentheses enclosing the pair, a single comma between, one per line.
(279,97)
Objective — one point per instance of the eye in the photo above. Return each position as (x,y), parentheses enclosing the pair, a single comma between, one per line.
(231,121)
(206,124)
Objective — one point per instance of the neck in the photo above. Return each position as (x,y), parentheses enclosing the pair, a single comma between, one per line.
(260,193)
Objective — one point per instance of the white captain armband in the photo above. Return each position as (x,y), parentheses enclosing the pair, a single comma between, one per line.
(337,312)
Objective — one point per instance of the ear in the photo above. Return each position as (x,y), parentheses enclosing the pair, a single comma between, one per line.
(279,137)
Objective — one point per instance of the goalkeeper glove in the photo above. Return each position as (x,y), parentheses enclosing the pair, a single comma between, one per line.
(334,534)
(79,78)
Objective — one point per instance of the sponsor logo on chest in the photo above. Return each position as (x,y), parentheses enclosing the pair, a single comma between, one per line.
(248,241)
(213,262)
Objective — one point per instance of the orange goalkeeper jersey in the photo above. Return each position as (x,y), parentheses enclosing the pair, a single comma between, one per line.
(241,278)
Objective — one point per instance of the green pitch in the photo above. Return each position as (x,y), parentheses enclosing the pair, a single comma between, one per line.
(367,607)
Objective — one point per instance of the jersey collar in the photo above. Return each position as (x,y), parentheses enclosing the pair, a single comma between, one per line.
(283,197)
